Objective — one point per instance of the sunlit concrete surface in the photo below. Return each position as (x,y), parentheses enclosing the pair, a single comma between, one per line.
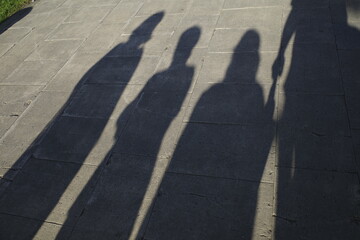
(180,119)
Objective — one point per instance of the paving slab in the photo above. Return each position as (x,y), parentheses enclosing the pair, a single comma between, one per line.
(227,40)
(172,75)
(44,20)
(73,31)
(168,24)
(74,73)
(9,229)
(123,12)
(19,52)
(227,151)
(251,18)
(350,76)
(47,6)
(5,123)
(169,6)
(65,81)
(33,73)
(312,68)
(4,47)
(114,100)
(77,146)
(252,3)
(60,50)
(347,36)
(155,46)
(102,38)
(89,14)
(314,150)
(81,3)
(212,7)
(204,208)
(247,68)
(14,35)
(206,24)
(123,70)
(152,129)
(12,157)
(46,178)
(356,145)
(306,4)
(324,115)
(310,25)
(312,202)
(231,104)
(46,106)
(8,65)
(119,194)
(353,111)
(15,99)
(82,62)
(28,127)
(34,37)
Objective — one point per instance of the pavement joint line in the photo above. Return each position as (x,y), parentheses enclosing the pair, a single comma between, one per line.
(243,28)
(229,52)
(160,156)
(218,177)
(64,39)
(246,8)
(312,93)
(34,219)
(229,123)
(86,117)
(236,83)
(16,85)
(61,161)
(317,170)
(116,153)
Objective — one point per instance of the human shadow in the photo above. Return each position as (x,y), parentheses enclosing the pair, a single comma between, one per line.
(212,186)
(14,19)
(66,147)
(116,204)
(316,167)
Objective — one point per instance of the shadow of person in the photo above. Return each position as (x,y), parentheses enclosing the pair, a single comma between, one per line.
(123,196)
(227,138)
(14,19)
(63,154)
(315,197)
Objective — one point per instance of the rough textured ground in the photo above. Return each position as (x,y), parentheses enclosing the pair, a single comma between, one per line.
(180,119)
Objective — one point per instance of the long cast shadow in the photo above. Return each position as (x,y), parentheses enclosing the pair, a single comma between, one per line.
(316,164)
(116,205)
(59,152)
(228,137)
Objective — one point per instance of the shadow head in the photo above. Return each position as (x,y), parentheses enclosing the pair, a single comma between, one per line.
(145,30)
(249,42)
(249,62)
(187,42)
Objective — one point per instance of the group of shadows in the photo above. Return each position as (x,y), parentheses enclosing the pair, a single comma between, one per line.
(190,205)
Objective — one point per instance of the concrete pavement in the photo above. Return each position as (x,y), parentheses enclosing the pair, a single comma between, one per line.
(180,119)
